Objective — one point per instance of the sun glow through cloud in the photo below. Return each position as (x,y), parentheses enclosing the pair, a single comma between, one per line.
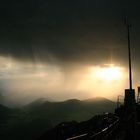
(105,81)
(109,73)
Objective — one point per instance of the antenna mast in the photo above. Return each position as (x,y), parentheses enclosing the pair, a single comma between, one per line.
(129,100)
(129,53)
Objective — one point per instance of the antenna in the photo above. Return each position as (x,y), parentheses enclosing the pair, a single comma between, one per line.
(128,25)
(129,100)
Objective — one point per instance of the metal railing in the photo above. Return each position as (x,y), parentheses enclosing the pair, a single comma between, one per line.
(103,134)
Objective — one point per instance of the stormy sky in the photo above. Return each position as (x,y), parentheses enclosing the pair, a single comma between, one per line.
(48,48)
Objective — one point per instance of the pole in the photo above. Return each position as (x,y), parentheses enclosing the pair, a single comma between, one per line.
(129,55)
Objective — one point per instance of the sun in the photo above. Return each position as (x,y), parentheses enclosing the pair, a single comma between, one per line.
(108,73)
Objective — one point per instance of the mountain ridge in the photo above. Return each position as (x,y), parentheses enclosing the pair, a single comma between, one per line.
(41,115)
(94,99)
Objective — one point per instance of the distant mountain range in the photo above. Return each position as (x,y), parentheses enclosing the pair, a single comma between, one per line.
(30,121)
(70,110)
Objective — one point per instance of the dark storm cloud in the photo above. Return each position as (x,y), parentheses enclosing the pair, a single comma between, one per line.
(73,38)
(76,30)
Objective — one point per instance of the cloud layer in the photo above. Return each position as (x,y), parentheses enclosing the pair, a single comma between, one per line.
(47,47)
